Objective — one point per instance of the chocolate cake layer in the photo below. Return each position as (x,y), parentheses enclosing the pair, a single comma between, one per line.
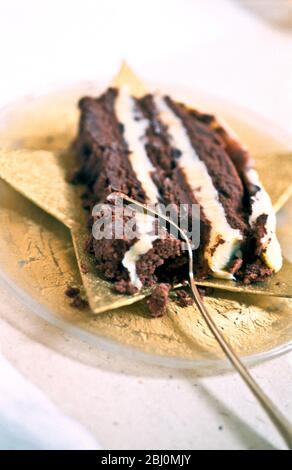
(211,150)
(103,152)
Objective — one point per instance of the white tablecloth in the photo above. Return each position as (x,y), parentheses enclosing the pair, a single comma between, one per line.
(28,420)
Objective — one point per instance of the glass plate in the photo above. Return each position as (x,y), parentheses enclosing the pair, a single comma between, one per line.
(37,259)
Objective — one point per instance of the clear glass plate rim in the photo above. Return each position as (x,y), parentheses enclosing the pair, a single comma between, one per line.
(113,346)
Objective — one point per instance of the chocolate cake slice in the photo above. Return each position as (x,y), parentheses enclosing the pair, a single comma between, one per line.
(159,151)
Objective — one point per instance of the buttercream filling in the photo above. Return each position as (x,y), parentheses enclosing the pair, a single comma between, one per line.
(261,204)
(134,132)
(144,225)
(224,240)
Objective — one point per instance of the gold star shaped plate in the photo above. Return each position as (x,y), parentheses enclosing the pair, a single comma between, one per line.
(42,234)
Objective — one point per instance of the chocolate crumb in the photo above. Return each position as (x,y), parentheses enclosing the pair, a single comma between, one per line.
(125,287)
(158,300)
(184,298)
(79,303)
(205,291)
(72,292)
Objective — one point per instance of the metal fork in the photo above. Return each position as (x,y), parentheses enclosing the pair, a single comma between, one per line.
(276,416)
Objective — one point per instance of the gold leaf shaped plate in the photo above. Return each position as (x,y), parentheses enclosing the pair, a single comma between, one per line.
(40,176)
(37,256)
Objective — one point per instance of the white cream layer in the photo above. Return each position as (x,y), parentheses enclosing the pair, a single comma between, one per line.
(261,204)
(200,182)
(134,132)
(145,226)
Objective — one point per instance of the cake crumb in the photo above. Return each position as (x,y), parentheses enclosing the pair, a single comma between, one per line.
(72,292)
(79,303)
(184,298)
(157,303)
(125,287)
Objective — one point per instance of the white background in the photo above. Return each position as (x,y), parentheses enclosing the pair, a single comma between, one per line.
(215,45)
(212,45)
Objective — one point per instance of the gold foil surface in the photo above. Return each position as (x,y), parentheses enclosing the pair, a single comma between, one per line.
(37,254)
(40,176)
(127,77)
